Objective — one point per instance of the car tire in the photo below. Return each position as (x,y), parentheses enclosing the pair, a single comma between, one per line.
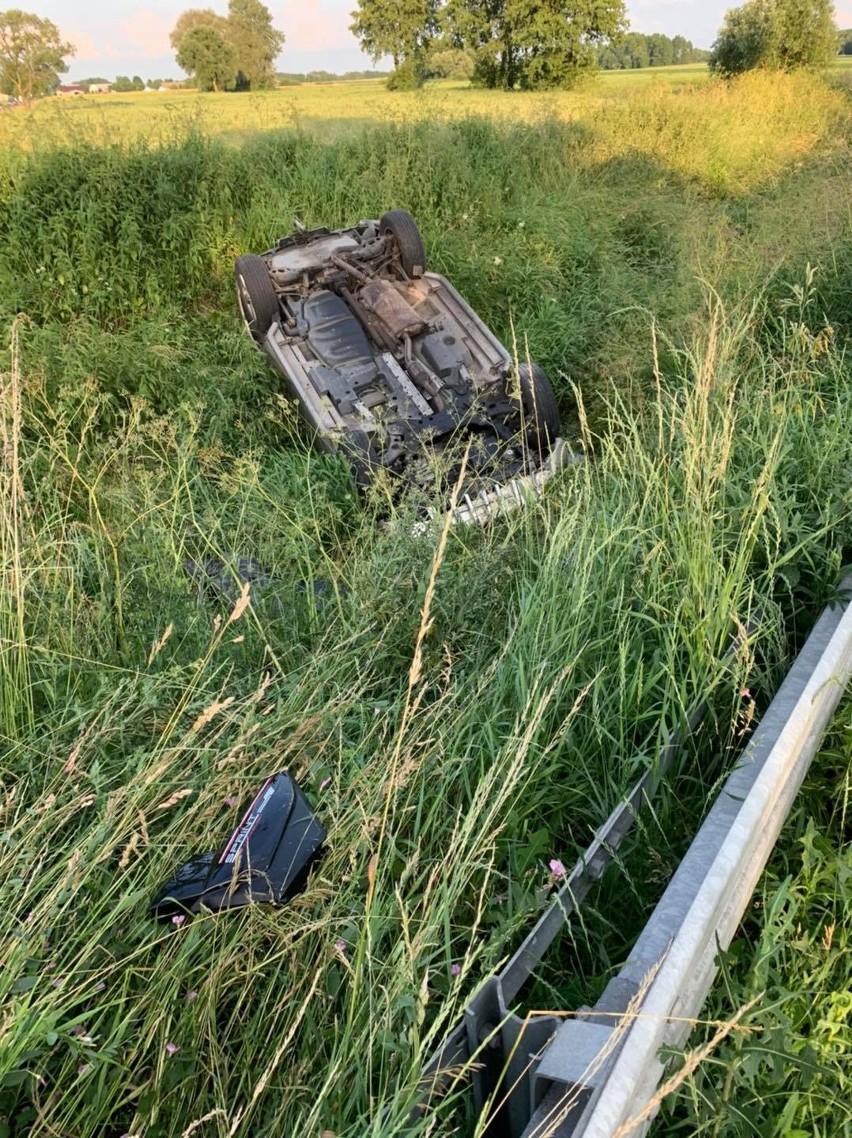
(542,420)
(256,295)
(403,229)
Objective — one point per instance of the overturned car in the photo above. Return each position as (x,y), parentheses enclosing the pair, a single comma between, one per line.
(392,367)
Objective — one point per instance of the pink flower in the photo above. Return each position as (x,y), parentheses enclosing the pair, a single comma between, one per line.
(100,987)
(230,801)
(190,996)
(745,693)
(455,969)
(172,1049)
(340,945)
(178,919)
(83,1068)
(557,868)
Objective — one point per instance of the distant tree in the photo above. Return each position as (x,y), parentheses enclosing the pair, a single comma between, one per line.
(206,55)
(255,41)
(534,43)
(137,83)
(633,50)
(446,62)
(845,38)
(154,84)
(660,50)
(682,50)
(783,34)
(402,29)
(122,84)
(31,55)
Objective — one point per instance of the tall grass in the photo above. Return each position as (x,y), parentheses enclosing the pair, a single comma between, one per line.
(553,651)
(561,645)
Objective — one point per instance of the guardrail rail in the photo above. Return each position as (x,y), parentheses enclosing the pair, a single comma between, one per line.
(593,1075)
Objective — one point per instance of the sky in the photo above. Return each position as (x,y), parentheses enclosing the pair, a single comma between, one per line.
(126,37)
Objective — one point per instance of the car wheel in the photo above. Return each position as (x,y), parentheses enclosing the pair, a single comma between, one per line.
(256,294)
(542,420)
(403,229)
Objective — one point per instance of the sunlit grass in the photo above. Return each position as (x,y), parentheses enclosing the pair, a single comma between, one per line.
(703,129)
(663,282)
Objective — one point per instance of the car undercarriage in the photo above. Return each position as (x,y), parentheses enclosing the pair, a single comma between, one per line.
(392,367)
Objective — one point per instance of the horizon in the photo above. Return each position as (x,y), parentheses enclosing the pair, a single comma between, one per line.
(134,39)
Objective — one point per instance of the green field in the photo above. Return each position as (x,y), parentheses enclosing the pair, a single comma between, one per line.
(316,107)
(675,253)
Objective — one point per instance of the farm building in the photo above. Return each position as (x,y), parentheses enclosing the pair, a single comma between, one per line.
(99,88)
(71,89)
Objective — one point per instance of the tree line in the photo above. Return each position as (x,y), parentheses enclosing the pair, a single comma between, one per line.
(656,50)
(495,43)
(294,78)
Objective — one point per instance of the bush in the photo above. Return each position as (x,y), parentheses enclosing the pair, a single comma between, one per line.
(410,75)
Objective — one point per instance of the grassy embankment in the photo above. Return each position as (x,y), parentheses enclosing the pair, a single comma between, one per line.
(141,428)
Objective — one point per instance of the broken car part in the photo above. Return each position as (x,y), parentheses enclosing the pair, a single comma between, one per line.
(266,858)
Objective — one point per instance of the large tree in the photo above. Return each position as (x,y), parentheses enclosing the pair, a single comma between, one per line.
(402,29)
(534,43)
(251,44)
(205,53)
(31,54)
(782,34)
(196,18)
(255,41)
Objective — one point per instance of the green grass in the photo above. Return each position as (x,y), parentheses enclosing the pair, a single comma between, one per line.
(663,280)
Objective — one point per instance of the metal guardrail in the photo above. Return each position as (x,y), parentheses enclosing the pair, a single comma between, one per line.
(494,1046)
(591,1075)
(598,1074)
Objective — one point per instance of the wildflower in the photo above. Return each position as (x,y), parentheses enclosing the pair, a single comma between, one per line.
(190,996)
(455,969)
(498,260)
(230,801)
(745,693)
(340,944)
(83,1068)
(178,919)
(172,1049)
(557,868)
(100,987)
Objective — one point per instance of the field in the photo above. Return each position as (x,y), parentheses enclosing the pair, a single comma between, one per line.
(676,254)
